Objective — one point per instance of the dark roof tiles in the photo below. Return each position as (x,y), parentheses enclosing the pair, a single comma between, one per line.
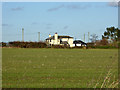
(59,37)
(79,42)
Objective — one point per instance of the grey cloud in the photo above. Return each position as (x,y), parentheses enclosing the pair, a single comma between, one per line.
(34,23)
(55,8)
(49,24)
(17,9)
(72,6)
(77,6)
(65,27)
(48,27)
(4,24)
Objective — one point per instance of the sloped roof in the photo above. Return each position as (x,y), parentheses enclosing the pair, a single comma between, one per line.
(59,37)
(50,38)
(79,42)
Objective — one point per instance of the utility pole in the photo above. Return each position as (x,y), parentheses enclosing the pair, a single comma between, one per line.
(38,36)
(84,37)
(88,36)
(75,38)
(23,34)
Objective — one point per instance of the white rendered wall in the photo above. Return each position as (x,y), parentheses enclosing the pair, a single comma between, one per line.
(56,39)
(70,42)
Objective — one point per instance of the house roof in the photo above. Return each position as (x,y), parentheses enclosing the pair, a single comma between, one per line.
(79,42)
(59,37)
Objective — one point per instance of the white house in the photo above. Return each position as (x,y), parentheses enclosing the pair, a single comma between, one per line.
(60,40)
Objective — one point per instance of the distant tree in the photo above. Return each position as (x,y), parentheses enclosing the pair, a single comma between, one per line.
(93,38)
(4,44)
(111,33)
(103,42)
(118,34)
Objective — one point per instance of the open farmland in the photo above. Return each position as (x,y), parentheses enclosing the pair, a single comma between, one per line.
(59,68)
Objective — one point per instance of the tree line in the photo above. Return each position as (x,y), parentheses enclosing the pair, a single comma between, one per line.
(19,44)
(110,39)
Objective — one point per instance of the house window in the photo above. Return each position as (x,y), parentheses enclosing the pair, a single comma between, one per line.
(60,41)
(50,40)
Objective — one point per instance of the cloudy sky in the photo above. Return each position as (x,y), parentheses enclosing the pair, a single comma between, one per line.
(65,18)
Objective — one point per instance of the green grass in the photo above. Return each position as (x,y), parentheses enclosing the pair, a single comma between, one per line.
(58,68)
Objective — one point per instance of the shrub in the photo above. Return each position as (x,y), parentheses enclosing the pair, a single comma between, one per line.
(60,46)
(4,44)
(102,47)
(103,42)
(78,47)
(27,44)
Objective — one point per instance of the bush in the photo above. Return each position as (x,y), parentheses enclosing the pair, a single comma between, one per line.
(60,46)
(78,47)
(103,42)
(90,44)
(105,47)
(4,44)
(27,44)
(89,47)
(101,47)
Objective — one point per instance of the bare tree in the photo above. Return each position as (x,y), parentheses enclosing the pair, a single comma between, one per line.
(93,38)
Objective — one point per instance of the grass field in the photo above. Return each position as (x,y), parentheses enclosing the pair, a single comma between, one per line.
(59,68)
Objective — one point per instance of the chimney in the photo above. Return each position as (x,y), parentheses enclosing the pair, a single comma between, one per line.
(56,38)
(49,35)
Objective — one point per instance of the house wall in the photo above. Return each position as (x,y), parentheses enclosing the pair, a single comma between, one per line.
(54,42)
(65,39)
(70,41)
(78,45)
(56,39)
(50,42)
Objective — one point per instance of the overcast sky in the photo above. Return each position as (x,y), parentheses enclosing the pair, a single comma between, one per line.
(65,18)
